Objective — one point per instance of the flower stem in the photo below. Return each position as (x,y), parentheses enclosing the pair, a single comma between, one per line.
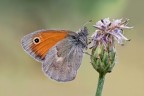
(100,84)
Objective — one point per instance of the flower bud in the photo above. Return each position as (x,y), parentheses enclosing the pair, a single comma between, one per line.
(103,59)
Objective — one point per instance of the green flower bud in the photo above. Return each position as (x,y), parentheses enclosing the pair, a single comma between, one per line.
(103,59)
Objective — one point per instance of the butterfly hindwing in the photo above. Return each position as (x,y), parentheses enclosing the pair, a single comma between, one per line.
(63,60)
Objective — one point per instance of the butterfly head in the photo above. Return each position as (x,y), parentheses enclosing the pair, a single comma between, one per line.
(82,36)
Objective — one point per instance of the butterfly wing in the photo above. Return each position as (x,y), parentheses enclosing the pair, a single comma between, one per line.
(60,51)
(63,60)
(38,43)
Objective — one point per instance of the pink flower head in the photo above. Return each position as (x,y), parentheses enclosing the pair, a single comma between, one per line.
(108,30)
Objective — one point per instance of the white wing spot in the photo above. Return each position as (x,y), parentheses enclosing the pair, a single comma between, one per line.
(59,59)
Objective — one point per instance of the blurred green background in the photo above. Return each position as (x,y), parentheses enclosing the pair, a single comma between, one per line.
(20,75)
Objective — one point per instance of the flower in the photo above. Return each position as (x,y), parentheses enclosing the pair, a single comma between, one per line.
(103,40)
(108,30)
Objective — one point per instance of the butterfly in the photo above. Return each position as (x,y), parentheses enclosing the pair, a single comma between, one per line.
(59,51)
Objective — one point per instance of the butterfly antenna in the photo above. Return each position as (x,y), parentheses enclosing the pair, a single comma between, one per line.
(84,25)
(87,23)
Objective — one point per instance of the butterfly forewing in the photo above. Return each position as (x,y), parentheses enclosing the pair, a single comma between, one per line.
(38,43)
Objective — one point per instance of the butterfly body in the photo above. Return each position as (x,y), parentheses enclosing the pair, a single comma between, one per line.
(59,51)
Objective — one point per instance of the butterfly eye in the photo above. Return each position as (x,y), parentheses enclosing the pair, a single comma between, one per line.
(73,37)
(36,40)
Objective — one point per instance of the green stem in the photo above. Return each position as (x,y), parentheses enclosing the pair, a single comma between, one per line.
(100,84)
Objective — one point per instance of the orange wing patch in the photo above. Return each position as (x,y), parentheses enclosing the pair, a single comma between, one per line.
(44,40)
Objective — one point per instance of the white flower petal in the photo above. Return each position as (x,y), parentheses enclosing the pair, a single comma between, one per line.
(119,40)
(117,21)
(119,32)
(99,24)
(125,27)
(106,21)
